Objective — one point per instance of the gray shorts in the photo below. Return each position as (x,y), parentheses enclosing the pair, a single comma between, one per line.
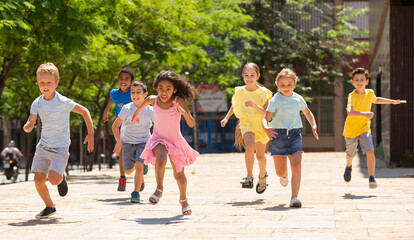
(365,142)
(131,153)
(46,159)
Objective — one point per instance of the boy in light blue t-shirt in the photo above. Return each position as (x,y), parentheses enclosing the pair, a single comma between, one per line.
(133,137)
(284,130)
(51,156)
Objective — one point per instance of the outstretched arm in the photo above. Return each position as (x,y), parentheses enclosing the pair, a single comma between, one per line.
(181,105)
(262,110)
(381,100)
(227,117)
(30,124)
(79,109)
(311,119)
(149,100)
(115,130)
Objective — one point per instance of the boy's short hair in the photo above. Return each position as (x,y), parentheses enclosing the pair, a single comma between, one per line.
(140,84)
(287,72)
(129,71)
(360,70)
(49,68)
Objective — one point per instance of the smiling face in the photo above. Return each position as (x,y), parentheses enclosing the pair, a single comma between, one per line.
(359,81)
(286,85)
(250,77)
(138,95)
(47,85)
(124,81)
(165,90)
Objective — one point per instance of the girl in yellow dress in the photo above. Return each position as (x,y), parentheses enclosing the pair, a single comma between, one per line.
(249,104)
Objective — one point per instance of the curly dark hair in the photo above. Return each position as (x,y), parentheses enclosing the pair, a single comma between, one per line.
(129,71)
(184,89)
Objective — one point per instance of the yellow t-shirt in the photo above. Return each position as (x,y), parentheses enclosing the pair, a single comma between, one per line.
(259,97)
(355,126)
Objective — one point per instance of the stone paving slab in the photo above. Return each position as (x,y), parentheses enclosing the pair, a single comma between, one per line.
(332,209)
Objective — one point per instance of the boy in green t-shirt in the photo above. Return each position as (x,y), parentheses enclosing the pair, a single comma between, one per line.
(357,124)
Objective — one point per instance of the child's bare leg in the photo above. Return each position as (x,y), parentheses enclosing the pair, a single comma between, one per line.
(280,165)
(249,152)
(121,166)
(296,166)
(139,176)
(371,163)
(42,190)
(160,153)
(261,158)
(182,186)
(348,160)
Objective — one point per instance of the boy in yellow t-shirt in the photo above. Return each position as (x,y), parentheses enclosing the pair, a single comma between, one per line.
(357,124)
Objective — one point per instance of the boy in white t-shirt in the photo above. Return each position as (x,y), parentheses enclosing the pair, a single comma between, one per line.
(133,137)
(51,156)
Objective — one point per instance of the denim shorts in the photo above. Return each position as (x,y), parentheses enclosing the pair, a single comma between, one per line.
(286,143)
(365,142)
(131,153)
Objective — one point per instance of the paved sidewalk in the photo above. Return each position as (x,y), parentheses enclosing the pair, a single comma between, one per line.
(332,209)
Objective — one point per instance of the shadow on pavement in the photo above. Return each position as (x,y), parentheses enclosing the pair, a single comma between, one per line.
(280,207)
(160,221)
(34,222)
(240,204)
(351,196)
(117,201)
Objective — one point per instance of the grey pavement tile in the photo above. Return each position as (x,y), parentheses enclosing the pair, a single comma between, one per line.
(387,217)
(300,211)
(117,226)
(291,224)
(384,206)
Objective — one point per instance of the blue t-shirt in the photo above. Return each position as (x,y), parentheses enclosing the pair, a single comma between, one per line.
(54,114)
(120,98)
(138,132)
(286,111)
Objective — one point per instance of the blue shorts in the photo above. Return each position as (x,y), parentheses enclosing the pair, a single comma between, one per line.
(286,144)
(131,153)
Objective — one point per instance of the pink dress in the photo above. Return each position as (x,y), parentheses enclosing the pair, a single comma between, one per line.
(167,132)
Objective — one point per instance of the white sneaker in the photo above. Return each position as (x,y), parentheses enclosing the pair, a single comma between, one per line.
(284,181)
(295,203)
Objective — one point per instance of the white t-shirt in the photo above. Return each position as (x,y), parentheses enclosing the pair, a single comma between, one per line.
(286,111)
(55,114)
(14,150)
(138,132)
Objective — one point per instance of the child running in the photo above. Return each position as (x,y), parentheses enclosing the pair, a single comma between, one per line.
(52,151)
(166,140)
(357,124)
(121,97)
(133,136)
(285,130)
(249,104)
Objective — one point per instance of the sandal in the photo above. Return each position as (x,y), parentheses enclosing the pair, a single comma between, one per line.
(248,182)
(261,187)
(186,210)
(154,199)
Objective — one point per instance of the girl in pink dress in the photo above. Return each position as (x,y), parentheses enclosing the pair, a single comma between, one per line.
(166,140)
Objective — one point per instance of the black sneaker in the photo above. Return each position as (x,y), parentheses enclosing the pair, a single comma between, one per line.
(45,213)
(142,186)
(372,182)
(347,174)
(63,187)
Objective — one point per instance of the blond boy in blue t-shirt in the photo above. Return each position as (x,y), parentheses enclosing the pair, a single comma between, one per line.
(357,127)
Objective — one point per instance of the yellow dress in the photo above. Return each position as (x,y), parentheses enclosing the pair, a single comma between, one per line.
(250,118)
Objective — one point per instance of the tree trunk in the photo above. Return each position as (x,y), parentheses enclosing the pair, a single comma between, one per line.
(7,66)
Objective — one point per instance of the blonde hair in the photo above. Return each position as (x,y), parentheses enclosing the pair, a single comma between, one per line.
(238,137)
(252,65)
(49,68)
(286,72)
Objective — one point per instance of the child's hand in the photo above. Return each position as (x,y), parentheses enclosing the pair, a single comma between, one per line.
(315,133)
(369,115)
(105,116)
(178,106)
(399,101)
(29,127)
(249,104)
(118,148)
(270,133)
(135,118)
(90,142)
(120,105)
(223,122)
